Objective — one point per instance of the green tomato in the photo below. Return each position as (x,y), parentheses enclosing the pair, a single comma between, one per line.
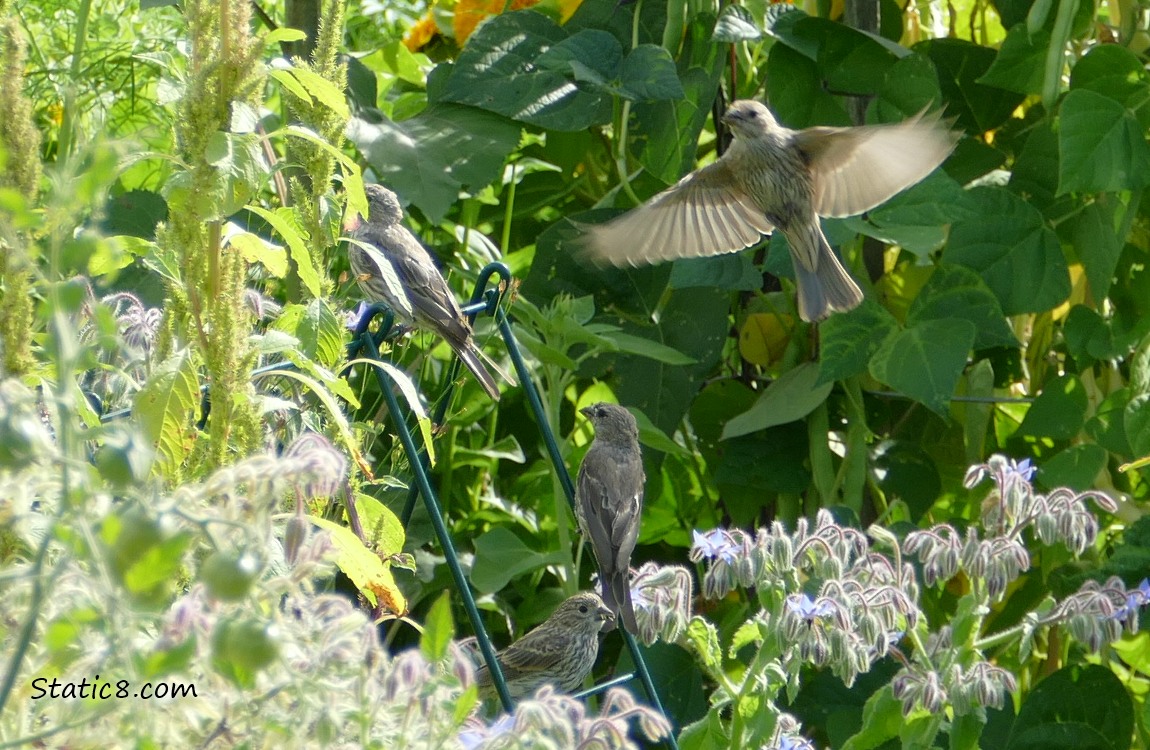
(246,643)
(229,577)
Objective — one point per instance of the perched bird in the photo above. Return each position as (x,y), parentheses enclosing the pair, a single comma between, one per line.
(609,500)
(772,176)
(393,267)
(561,651)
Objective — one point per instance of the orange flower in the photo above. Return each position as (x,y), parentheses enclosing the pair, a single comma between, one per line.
(421,33)
(468,14)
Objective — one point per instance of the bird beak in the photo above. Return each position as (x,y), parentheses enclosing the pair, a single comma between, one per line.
(586,411)
(728,117)
(606,615)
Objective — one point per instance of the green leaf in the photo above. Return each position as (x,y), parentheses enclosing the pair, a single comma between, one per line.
(1076,708)
(1088,336)
(256,249)
(707,733)
(736,24)
(317,328)
(1136,422)
(1102,144)
(882,720)
(805,101)
(428,158)
(925,361)
(1097,244)
(732,271)
(850,340)
(960,64)
(285,221)
(290,83)
(498,70)
(1059,411)
(647,348)
(321,90)
(1035,173)
(1011,247)
(1020,63)
(383,529)
(1077,467)
(666,133)
(167,409)
(648,74)
(438,629)
(907,472)
(501,556)
(705,639)
(793,396)
(592,56)
(1115,72)
(1107,427)
(956,292)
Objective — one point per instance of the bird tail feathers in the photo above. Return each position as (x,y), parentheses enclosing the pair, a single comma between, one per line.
(617,597)
(827,287)
(470,356)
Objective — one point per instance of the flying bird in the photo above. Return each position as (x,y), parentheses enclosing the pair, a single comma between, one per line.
(774,177)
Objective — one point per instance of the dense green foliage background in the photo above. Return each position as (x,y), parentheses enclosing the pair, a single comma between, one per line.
(184,232)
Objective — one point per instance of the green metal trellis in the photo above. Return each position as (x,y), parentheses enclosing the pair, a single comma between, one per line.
(486,300)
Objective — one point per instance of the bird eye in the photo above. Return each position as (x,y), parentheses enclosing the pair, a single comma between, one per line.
(583,608)
(754,115)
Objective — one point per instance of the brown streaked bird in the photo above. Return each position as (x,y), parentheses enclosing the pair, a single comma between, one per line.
(609,502)
(772,176)
(395,268)
(561,651)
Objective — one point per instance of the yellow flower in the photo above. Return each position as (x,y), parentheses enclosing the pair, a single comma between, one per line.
(421,33)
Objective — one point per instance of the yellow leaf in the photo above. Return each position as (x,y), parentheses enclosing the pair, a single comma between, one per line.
(764,338)
(371,575)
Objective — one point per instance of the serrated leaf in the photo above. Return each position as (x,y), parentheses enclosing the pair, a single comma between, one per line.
(285,222)
(371,576)
(745,635)
(167,409)
(320,89)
